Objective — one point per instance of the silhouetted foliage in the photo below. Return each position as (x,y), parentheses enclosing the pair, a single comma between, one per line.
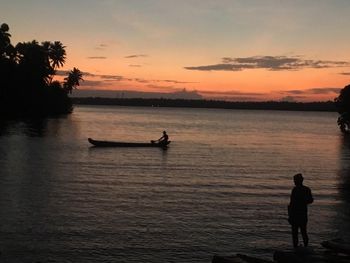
(26,81)
(343,107)
(72,81)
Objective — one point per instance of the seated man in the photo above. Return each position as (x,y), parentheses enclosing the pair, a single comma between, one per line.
(164,139)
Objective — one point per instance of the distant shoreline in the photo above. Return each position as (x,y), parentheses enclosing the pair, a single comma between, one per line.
(327,106)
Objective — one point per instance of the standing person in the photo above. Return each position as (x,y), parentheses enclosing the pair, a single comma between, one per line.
(300,197)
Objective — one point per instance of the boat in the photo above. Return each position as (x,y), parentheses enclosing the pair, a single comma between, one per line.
(98,143)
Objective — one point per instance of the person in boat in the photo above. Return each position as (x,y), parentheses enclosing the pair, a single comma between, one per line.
(164,139)
(300,198)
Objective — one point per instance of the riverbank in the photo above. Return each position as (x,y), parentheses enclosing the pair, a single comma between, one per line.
(332,251)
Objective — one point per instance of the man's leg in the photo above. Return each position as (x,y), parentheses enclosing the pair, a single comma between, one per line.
(304,234)
(295,235)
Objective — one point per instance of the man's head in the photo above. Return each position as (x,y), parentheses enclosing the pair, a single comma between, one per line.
(298,179)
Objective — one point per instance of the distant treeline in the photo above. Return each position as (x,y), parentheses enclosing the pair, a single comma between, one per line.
(218,104)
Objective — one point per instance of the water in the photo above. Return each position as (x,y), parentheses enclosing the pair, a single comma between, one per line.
(222,187)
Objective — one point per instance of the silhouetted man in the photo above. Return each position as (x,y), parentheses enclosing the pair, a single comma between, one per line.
(297,210)
(164,139)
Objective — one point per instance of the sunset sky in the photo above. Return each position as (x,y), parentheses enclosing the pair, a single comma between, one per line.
(225,49)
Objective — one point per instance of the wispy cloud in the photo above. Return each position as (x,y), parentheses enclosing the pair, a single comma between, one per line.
(275,63)
(173,81)
(345,73)
(232,92)
(135,66)
(91,83)
(122,78)
(136,56)
(97,57)
(111,77)
(101,46)
(313,91)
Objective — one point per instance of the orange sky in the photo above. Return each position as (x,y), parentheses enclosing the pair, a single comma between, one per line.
(235,50)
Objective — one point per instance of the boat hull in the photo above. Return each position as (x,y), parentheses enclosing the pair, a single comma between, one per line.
(98,143)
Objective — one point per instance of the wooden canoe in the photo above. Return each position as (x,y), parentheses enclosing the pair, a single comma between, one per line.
(98,143)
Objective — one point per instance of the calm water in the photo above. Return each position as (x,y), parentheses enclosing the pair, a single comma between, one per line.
(222,187)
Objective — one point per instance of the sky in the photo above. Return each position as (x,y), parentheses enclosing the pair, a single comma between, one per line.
(241,50)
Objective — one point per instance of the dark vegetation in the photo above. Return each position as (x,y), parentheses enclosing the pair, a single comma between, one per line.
(27,85)
(269,105)
(343,106)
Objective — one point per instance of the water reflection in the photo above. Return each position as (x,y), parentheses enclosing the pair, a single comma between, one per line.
(40,127)
(344,187)
(30,127)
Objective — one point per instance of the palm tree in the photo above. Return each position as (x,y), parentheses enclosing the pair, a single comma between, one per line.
(343,106)
(57,54)
(32,55)
(73,80)
(5,42)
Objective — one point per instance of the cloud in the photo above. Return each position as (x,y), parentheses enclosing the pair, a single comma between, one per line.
(232,93)
(66,72)
(345,73)
(111,77)
(62,72)
(174,81)
(97,57)
(91,83)
(290,98)
(313,91)
(100,78)
(274,63)
(101,46)
(136,56)
(135,66)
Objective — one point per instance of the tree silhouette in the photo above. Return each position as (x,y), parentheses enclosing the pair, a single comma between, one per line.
(343,107)
(57,54)
(27,71)
(73,80)
(4,39)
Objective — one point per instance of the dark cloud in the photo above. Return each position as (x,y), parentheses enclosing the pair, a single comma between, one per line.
(91,83)
(313,91)
(62,72)
(101,46)
(111,77)
(345,73)
(324,90)
(141,80)
(97,57)
(174,81)
(289,98)
(217,67)
(295,92)
(66,72)
(274,63)
(88,74)
(136,56)
(232,93)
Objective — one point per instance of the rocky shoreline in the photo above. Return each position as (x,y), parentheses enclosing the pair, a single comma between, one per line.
(332,251)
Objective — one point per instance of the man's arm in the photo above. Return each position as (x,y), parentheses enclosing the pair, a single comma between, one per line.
(310,199)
